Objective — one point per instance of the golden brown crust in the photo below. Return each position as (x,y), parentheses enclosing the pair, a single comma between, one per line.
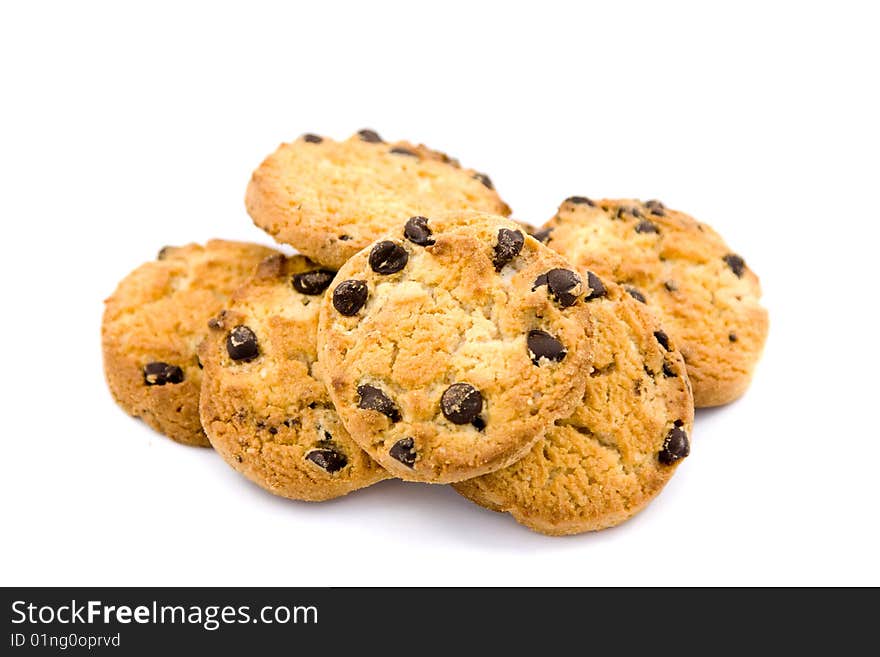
(159,313)
(449,317)
(600,466)
(330,199)
(710,306)
(270,418)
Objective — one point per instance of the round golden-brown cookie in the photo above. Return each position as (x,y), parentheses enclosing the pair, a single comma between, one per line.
(154,322)
(330,199)
(614,454)
(262,405)
(451,345)
(705,295)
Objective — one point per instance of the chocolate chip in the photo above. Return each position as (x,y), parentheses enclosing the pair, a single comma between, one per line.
(158,374)
(483,178)
(163,252)
(671,286)
(399,150)
(597,288)
(370,136)
(675,447)
(216,322)
(580,200)
(543,345)
(656,207)
(663,339)
(349,297)
(388,257)
(241,344)
(461,403)
(736,263)
(404,451)
(562,284)
(635,294)
(624,210)
(542,235)
(732,337)
(478,423)
(417,231)
(273,430)
(373,399)
(668,371)
(645,226)
(313,282)
(312,139)
(327,459)
(510,243)
(344,238)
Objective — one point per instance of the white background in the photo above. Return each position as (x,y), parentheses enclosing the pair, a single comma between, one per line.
(125,129)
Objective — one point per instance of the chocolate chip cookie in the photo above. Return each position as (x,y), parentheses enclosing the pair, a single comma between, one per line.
(621,445)
(451,344)
(153,323)
(330,199)
(706,296)
(262,405)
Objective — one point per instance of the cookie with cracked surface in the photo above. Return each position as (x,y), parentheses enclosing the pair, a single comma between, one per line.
(330,199)
(705,295)
(450,345)
(614,454)
(262,405)
(154,322)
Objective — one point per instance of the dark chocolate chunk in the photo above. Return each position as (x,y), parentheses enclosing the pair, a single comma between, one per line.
(675,447)
(543,345)
(645,226)
(399,150)
(349,297)
(312,139)
(483,178)
(656,207)
(461,403)
(313,282)
(388,257)
(736,263)
(404,451)
(373,399)
(732,337)
(542,235)
(344,238)
(597,288)
(370,136)
(667,370)
(416,231)
(663,339)
(510,243)
(479,423)
(635,293)
(327,459)
(159,373)
(580,200)
(241,344)
(562,284)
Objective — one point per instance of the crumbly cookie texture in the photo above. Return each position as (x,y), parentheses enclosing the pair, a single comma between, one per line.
(262,405)
(614,454)
(330,199)
(452,344)
(704,293)
(154,322)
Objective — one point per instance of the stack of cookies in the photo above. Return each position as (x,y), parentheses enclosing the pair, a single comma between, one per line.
(423,334)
